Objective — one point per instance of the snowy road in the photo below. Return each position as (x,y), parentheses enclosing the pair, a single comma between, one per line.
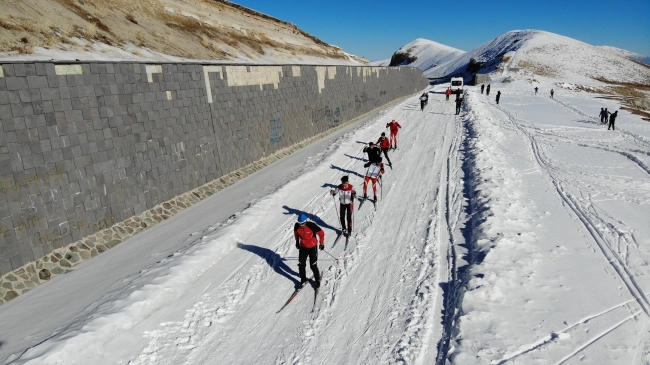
(551,210)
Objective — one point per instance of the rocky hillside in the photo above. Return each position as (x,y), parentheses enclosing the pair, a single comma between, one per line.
(216,30)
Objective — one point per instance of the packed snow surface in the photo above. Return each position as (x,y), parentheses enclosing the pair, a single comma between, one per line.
(516,233)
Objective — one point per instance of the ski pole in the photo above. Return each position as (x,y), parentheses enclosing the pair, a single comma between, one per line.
(337,212)
(335,258)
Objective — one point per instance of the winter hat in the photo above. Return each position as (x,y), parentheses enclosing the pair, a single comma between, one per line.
(302,218)
(383,134)
(371,143)
(344,179)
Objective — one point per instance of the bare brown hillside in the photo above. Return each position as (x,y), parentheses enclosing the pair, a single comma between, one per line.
(192,29)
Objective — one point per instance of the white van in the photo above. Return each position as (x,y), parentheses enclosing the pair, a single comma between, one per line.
(456,83)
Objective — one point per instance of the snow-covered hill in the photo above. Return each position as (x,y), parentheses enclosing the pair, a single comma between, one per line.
(424,54)
(544,55)
(627,54)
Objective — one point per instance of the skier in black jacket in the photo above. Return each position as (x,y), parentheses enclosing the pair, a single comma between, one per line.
(612,119)
(459,102)
(498,96)
(374,153)
(487,90)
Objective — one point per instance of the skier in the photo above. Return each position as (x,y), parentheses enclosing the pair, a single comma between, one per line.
(448,92)
(374,172)
(612,119)
(384,143)
(536,90)
(308,236)
(552,92)
(602,115)
(498,96)
(487,91)
(373,152)
(459,101)
(482,88)
(394,129)
(347,204)
(423,101)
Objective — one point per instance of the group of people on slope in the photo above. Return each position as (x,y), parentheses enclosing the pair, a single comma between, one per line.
(606,116)
(310,237)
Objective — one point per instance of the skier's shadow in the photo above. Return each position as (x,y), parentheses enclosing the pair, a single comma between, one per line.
(356,158)
(311,217)
(361,142)
(274,260)
(328,185)
(346,171)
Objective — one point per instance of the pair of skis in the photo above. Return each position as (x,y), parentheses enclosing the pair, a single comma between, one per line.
(347,241)
(295,294)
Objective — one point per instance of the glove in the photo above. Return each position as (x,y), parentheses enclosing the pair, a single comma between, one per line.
(298,245)
(321,247)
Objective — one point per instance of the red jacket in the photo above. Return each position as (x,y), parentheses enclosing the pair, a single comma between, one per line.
(394,126)
(448,92)
(306,235)
(384,144)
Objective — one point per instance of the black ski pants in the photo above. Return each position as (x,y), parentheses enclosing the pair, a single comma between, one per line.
(312,253)
(346,212)
(611,125)
(385,151)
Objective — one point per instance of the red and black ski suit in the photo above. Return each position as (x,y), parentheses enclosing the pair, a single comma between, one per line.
(385,145)
(346,206)
(374,172)
(307,238)
(394,129)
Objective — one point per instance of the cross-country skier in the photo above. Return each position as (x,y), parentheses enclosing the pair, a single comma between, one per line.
(373,152)
(612,119)
(448,92)
(482,88)
(487,90)
(346,198)
(308,236)
(498,96)
(394,129)
(384,144)
(459,102)
(375,170)
(424,98)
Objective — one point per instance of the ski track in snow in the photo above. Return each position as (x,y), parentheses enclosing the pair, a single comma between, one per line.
(386,322)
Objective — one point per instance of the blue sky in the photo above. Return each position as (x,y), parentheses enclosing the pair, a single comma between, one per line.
(376,29)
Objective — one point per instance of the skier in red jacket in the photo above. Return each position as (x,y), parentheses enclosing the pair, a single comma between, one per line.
(346,199)
(308,236)
(384,143)
(394,129)
(375,170)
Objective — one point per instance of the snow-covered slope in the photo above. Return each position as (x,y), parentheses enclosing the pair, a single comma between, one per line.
(427,53)
(539,54)
(627,54)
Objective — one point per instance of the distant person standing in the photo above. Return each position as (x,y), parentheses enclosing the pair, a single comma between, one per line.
(552,92)
(448,92)
(487,90)
(607,114)
(498,96)
(459,102)
(536,88)
(482,88)
(602,116)
(612,119)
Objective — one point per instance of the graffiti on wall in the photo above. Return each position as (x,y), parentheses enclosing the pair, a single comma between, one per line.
(277,132)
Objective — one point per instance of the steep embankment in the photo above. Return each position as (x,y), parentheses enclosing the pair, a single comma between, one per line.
(156,29)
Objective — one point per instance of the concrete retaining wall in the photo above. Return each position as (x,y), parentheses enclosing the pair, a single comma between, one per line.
(88,150)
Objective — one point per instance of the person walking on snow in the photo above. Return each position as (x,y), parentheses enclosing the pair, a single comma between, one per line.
(375,170)
(612,119)
(374,153)
(602,115)
(552,92)
(384,144)
(394,129)
(459,102)
(346,198)
(536,90)
(607,114)
(487,91)
(424,98)
(448,92)
(482,88)
(308,236)
(498,96)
